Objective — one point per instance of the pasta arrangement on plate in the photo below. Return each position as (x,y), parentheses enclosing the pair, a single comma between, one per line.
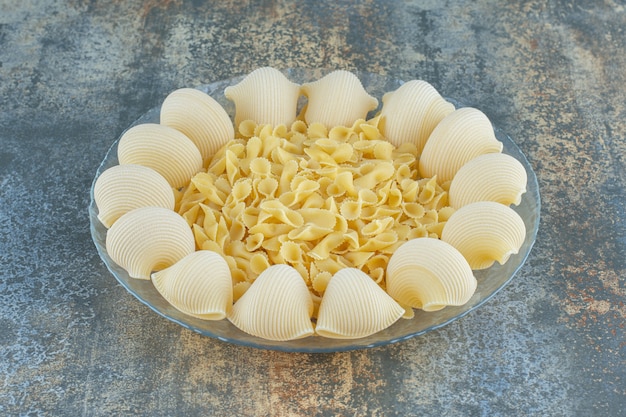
(314,220)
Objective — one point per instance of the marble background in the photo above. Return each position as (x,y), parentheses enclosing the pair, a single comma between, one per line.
(74,74)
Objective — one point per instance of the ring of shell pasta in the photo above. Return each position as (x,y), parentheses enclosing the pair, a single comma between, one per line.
(319,222)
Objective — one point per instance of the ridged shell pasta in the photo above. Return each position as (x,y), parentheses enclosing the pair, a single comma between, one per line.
(324,218)
(485,232)
(355,306)
(277,306)
(149,239)
(199,285)
(429,274)
(265,96)
(337,99)
(122,188)
(490,177)
(199,117)
(410,113)
(460,137)
(162,148)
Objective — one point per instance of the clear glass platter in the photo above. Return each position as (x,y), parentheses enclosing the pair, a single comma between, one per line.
(490,281)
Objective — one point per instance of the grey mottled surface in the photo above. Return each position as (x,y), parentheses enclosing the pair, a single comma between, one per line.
(75,74)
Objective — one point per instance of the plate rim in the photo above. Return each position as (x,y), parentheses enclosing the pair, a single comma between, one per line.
(339,345)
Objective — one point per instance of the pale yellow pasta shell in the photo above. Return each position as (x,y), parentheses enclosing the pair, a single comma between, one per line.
(490,177)
(354,306)
(200,118)
(485,232)
(337,99)
(149,239)
(199,285)
(277,306)
(411,112)
(460,137)
(162,148)
(265,96)
(122,188)
(429,274)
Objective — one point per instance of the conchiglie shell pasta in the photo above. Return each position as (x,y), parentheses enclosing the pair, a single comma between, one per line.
(355,306)
(149,239)
(122,188)
(485,232)
(200,118)
(265,96)
(337,99)
(199,285)
(411,112)
(277,306)
(460,137)
(429,274)
(162,148)
(490,177)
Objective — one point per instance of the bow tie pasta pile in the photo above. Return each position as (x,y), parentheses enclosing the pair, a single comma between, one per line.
(320,221)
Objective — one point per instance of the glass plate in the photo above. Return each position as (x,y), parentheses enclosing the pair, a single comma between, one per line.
(490,281)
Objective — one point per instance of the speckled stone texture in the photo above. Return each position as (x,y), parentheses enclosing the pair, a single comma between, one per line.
(75,74)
